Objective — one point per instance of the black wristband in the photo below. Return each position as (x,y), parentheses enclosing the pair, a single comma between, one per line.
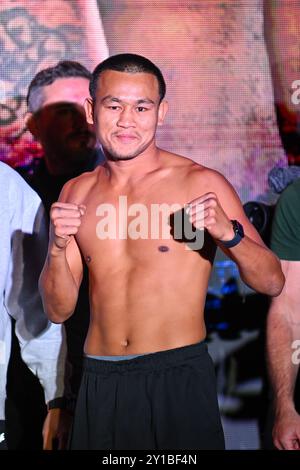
(60,402)
(238,235)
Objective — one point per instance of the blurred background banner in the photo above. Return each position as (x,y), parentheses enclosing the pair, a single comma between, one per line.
(36,34)
(224,61)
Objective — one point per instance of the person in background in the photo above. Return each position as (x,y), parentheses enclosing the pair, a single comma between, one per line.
(22,252)
(56,119)
(283,325)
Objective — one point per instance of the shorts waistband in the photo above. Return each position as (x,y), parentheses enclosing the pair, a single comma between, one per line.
(157,360)
(114,358)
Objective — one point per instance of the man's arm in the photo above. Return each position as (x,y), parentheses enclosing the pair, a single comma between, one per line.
(283,328)
(258,266)
(63,270)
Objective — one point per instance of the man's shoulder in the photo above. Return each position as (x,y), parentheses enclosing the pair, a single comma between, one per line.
(292,192)
(195,174)
(288,205)
(183,165)
(78,187)
(211,180)
(196,169)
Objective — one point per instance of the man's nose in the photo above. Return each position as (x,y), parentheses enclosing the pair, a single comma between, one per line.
(126,118)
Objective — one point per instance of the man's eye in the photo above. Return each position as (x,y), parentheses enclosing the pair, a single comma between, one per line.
(141,109)
(114,108)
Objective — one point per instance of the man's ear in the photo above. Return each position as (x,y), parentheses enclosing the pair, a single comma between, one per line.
(31,124)
(162,111)
(88,107)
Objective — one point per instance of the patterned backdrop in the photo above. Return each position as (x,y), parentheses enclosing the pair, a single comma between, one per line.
(224,61)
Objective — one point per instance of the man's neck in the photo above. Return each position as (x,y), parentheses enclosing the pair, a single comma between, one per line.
(123,172)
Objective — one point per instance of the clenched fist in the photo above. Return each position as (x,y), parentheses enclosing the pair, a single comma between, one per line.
(205,212)
(65,221)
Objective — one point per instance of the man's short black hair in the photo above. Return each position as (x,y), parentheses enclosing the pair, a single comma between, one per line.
(129,63)
(64,69)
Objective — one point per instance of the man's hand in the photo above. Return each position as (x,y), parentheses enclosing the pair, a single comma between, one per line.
(286,430)
(56,428)
(65,222)
(205,212)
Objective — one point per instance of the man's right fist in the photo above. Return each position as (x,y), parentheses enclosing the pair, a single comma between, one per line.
(65,221)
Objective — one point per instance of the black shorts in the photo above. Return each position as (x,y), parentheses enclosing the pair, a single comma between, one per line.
(164,400)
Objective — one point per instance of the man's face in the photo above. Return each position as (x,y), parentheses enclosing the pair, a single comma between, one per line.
(126,113)
(60,122)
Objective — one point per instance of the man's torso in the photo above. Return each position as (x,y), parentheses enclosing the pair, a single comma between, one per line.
(147,290)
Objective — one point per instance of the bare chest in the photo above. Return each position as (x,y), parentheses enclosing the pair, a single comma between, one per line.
(136,225)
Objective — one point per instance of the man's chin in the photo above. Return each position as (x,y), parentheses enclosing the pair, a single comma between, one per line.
(117,158)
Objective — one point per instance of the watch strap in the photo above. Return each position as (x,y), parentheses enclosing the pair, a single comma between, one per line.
(239,235)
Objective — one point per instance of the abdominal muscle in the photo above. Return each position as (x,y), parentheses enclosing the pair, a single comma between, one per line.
(137,314)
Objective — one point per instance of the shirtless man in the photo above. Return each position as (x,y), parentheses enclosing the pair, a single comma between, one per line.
(148,380)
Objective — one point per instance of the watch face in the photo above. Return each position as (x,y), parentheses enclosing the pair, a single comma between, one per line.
(238,228)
